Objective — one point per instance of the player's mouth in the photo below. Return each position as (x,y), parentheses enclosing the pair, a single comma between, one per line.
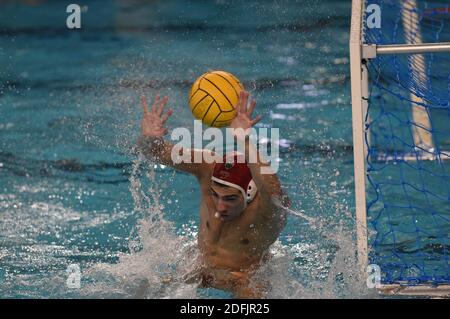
(222,216)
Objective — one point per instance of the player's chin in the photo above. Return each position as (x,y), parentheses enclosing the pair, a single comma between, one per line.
(225,217)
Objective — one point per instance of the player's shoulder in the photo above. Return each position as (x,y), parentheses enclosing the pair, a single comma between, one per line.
(270,211)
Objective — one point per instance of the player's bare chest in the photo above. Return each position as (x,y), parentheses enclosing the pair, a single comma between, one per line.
(237,233)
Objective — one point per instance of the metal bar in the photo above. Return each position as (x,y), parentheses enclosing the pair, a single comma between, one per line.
(358,84)
(413,48)
(419,290)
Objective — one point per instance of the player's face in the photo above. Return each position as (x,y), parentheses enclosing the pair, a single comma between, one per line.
(228,201)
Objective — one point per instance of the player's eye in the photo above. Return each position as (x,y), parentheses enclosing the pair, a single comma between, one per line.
(213,193)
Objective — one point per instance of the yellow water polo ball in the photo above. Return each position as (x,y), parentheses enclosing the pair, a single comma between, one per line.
(214,96)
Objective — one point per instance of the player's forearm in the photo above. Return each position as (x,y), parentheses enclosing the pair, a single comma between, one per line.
(266,180)
(160,151)
(155,149)
(268,184)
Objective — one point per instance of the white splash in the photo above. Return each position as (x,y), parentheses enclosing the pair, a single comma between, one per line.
(160,258)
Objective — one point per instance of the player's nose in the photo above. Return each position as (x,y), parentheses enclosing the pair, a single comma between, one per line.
(221,206)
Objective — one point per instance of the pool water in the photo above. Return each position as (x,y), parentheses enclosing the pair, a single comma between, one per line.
(73,192)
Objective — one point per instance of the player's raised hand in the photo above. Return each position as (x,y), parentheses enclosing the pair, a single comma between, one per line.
(244,111)
(152,124)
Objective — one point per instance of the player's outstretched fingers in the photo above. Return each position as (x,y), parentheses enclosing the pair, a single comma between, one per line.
(155,104)
(256,120)
(251,107)
(244,101)
(240,105)
(166,116)
(162,104)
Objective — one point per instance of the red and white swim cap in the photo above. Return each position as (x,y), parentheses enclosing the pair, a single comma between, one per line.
(235,173)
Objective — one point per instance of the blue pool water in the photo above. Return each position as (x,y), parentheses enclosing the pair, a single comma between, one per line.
(73,192)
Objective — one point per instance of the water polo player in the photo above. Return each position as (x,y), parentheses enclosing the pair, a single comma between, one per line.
(240,215)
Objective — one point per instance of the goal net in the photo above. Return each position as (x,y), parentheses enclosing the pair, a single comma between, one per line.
(402,145)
